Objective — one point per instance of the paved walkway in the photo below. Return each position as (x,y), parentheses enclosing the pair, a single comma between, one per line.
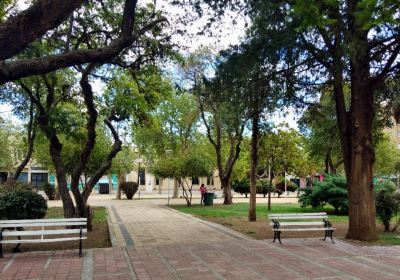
(154,242)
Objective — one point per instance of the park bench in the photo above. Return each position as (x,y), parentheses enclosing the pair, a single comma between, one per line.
(300,222)
(42,231)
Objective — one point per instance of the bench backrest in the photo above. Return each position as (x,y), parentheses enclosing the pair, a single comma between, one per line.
(298,219)
(44,227)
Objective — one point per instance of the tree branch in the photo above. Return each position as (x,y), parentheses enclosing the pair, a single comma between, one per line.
(33,23)
(106,164)
(14,70)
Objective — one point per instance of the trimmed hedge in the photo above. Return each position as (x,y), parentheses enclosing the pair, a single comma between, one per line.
(20,205)
(129,188)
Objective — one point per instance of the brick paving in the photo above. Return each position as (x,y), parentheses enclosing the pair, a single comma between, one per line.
(171,245)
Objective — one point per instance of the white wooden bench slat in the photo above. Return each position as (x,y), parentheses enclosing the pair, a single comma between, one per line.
(43,232)
(43,220)
(302,221)
(298,217)
(299,223)
(16,241)
(54,224)
(303,229)
(298,214)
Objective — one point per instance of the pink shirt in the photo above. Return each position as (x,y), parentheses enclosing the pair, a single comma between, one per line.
(203,190)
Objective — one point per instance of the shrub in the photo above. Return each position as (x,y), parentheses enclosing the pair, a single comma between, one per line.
(19,205)
(280,186)
(242,187)
(50,191)
(129,188)
(332,190)
(12,185)
(387,200)
(263,187)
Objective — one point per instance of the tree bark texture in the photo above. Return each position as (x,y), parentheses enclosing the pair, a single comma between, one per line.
(17,28)
(31,24)
(227,189)
(176,189)
(355,130)
(253,167)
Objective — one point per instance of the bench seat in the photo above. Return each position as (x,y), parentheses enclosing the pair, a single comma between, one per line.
(42,231)
(296,222)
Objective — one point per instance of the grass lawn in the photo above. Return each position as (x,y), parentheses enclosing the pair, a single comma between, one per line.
(235,217)
(98,238)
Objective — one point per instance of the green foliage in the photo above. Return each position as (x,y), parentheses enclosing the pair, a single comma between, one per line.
(129,188)
(283,149)
(184,167)
(50,191)
(263,186)
(333,191)
(188,165)
(242,187)
(386,156)
(387,199)
(10,142)
(19,205)
(319,127)
(280,186)
(11,186)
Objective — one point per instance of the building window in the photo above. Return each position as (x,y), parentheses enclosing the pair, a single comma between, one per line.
(23,177)
(398,133)
(142,175)
(38,180)
(195,181)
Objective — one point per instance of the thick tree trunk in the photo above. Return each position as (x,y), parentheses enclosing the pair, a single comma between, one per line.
(253,169)
(359,171)
(226,186)
(362,224)
(55,152)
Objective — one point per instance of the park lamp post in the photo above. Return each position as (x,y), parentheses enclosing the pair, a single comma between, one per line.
(168,153)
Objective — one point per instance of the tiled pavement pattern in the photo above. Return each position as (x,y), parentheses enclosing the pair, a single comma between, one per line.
(171,245)
(296,259)
(146,222)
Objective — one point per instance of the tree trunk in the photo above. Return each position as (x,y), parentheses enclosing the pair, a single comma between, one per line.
(269,190)
(159,185)
(55,151)
(31,141)
(226,186)
(176,189)
(327,169)
(110,184)
(253,169)
(121,178)
(362,224)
